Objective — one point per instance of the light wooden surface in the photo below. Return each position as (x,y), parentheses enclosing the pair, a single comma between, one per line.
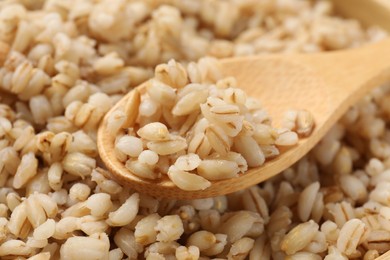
(385,256)
(368,12)
(326,84)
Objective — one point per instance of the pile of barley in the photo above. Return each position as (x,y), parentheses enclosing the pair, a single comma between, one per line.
(196,126)
(64,63)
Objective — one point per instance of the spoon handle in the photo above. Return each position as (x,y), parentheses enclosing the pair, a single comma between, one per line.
(352,73)
(338,78)
(349,75)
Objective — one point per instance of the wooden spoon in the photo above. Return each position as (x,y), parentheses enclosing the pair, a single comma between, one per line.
(385,256)
(326,84)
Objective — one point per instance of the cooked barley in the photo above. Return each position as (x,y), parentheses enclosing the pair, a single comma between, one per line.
(99,204)
(45,230)
(85,247)
(15,247)
(218,169)
(129,145)
(125,240)
(187,181)
(145,232)
(154,132)
(299,237)
(63,65)
(26,170)
(169,228)
(148,157)
(241,248)
(350,236)
(125,213)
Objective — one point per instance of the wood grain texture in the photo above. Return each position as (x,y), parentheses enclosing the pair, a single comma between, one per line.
(385,256)
(326,84)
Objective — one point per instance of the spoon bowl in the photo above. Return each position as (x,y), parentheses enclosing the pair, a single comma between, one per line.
(326,84)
